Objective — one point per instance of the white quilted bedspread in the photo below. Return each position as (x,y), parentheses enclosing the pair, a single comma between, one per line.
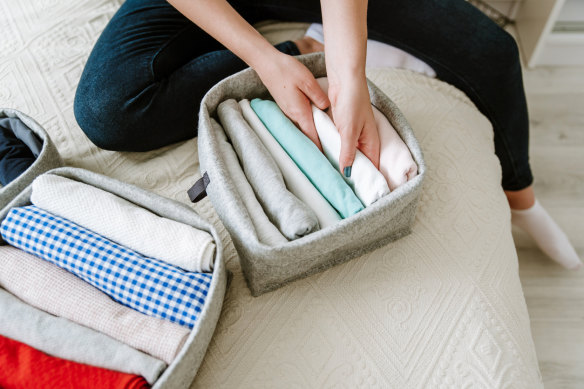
(442,307)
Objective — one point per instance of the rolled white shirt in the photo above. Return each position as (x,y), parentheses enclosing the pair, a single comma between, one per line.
(366,181)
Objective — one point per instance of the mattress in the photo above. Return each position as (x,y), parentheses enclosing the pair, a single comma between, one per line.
(442,307)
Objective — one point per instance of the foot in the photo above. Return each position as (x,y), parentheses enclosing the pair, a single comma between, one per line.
(528,214)
(308,45)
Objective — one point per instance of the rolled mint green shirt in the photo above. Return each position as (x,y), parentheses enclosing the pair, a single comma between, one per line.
(308,157)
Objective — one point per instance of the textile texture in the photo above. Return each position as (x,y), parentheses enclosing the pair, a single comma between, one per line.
(366,181)
(292,217)
(181,372)
(396,163)
(25,367)
(65,339)
(266,231)
(308,158)
(267,268)
(296,181)
(125,223)
(48,158)
(441,307)
(145,284)
(15,156)
(56,291)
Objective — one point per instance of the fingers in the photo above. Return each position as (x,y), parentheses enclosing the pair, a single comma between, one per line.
(301,114)
(348,149)
(315,93)
(369,143)
(305,122)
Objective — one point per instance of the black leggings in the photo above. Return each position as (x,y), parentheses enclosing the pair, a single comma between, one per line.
(145,78)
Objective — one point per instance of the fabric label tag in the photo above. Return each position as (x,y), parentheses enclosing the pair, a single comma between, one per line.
(199,191)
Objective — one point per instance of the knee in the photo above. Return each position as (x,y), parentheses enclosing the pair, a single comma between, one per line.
(101,116)
(502,52)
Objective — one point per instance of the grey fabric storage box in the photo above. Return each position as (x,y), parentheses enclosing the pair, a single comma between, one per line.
(47,159)
(183,369)
(267,268)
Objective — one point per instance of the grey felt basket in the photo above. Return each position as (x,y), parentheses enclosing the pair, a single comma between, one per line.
(183,369)
(47,159)
(267,267)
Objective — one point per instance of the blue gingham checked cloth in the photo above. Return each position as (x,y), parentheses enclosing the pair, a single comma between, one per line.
(145,284)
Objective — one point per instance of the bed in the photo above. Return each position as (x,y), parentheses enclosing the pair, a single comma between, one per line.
(442,307)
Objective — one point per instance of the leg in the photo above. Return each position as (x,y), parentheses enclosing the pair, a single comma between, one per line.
(145,78)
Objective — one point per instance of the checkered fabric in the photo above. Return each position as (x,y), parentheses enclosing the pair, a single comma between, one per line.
(145,284)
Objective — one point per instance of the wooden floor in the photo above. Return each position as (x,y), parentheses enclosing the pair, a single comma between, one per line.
(555,297)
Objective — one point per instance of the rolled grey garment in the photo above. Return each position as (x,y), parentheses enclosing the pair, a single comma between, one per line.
(292,217)
(266,231)
(25,134)
(65,339)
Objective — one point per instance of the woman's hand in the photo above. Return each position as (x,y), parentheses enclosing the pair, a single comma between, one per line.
(293,87)
(353,117)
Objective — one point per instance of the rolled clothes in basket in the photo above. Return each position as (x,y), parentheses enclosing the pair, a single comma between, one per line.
(147,285)
(296,181)
(367,182)
(125,223)
(292,217)
(68,340)
(15,156)
(308,157)
(60,293)
(21,366)
(395,159)
(266,231)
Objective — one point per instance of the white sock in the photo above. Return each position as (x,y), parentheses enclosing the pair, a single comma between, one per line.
(547,235)
(381,55)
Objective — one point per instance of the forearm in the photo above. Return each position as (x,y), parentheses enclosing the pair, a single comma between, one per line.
(345,32)
(241,38)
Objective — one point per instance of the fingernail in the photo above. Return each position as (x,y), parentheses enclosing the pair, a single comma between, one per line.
(347,171)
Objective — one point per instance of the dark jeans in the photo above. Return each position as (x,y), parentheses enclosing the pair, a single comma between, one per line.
(145,78)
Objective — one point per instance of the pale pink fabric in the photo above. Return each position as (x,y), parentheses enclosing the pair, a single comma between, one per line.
(60,293)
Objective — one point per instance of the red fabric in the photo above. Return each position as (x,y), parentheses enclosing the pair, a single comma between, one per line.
(22,366)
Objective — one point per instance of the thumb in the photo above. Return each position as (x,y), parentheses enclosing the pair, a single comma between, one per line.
(348,150)
(305,121)
(314,92)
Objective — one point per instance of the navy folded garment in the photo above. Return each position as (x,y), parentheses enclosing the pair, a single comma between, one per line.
(15,156)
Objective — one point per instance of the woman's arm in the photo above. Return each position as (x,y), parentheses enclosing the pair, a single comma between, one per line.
(345,32)
(290,83)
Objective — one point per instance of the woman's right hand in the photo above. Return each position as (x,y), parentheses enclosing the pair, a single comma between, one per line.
(294,88)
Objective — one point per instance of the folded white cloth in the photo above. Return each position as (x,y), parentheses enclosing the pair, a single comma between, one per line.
(381,55)
(125,223)
(366,181)
(266,231)
(296,181)
(60,293)
(396,163)
(68,340)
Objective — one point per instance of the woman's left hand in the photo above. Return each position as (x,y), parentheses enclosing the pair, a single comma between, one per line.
(353,117)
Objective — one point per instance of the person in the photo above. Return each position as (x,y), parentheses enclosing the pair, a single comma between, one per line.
(155,60)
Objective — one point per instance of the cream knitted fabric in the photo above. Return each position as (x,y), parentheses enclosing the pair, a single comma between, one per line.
(366,181)
(296,181)
(125,223)
(60,293)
